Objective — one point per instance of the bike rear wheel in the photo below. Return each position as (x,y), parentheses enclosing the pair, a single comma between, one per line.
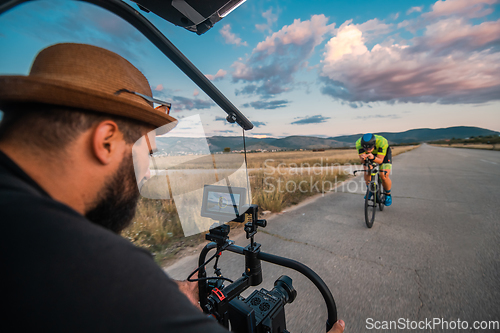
(370,206)
(381,196)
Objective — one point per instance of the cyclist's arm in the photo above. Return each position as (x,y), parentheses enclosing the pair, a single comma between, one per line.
(378,159)
(361,152)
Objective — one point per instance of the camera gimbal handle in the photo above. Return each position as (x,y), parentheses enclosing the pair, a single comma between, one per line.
(277,260)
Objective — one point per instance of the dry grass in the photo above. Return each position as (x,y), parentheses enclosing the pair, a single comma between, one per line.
(156,225)
(402,149)
(276,191)
(320,158)
(472,146)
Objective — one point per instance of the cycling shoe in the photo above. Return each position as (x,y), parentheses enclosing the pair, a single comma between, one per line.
(370,195)
(388,200)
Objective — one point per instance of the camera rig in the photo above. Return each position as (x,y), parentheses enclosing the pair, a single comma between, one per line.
(262,311)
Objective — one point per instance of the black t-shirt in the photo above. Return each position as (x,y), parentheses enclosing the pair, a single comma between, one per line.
(62,273)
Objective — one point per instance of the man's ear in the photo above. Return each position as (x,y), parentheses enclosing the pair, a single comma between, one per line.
(107,141)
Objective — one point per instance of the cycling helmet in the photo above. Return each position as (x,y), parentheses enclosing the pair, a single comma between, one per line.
(368,140)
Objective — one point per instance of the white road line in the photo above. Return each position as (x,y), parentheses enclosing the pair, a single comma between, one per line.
(489,162)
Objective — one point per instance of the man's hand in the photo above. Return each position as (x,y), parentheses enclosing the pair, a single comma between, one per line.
(190,289)
(338,327)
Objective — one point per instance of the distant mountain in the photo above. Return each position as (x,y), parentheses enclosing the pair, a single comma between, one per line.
(177,145)
(290,142)
(425,134)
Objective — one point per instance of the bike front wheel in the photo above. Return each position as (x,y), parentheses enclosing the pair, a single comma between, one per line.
(370,206)
(381,196)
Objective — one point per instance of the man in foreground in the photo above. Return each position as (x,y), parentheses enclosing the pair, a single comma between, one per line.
(376,148)
(68,188)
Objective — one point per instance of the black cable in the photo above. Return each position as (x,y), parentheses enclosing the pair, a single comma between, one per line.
(208,278)
(203,265)
(246,166)
(216,269)
(211,278)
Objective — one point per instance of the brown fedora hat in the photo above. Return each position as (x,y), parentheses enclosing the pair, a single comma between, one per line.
(85,77)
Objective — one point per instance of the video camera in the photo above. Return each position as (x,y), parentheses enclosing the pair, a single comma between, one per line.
(262,311)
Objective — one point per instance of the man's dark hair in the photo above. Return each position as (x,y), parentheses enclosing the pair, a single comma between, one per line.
(50,127)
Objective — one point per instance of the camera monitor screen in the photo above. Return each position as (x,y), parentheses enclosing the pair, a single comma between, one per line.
(219,202)
(176,164)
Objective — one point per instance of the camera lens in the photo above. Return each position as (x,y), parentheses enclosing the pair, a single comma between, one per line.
(284,287)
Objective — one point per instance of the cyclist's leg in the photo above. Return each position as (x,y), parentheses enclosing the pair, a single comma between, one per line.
(385,170)
(387,167)
(384,176)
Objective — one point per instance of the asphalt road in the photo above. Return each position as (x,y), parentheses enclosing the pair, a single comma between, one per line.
(435,253)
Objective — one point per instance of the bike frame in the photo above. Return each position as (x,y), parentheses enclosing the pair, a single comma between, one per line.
(373,169)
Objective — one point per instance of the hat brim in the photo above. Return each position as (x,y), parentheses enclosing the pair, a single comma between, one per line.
(26,89)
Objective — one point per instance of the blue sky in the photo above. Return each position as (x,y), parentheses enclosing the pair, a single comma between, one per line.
(322,68)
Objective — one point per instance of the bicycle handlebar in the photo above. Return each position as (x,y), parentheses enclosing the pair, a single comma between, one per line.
(369,163)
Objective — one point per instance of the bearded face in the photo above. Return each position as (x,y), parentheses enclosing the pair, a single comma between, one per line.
(115,207)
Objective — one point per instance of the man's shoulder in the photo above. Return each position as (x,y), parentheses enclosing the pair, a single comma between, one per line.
(61,265)
(49,232)
(32,213)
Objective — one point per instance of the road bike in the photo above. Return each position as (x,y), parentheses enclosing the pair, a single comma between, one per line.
(375,195)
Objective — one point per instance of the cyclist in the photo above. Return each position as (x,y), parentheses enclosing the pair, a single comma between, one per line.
(376,148)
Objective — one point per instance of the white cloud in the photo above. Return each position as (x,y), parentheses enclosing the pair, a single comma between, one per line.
(414,9)
(230,37)
(464,8)
(349,41)
(451,63)
(403,24)
(448,32)
(218,76)
(375,25)
(270,17)
(196,92)
(298,33)
(184,103)
(274,61)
